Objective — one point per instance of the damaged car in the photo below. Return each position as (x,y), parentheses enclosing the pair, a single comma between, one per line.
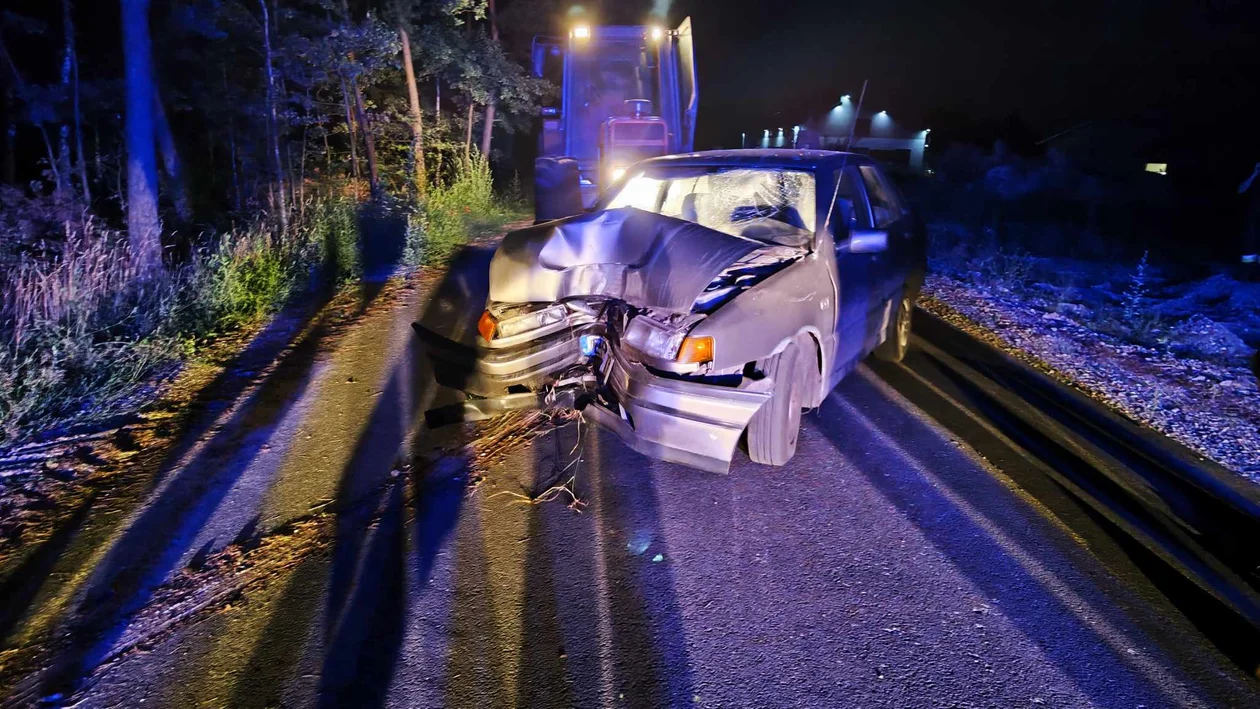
(706,300)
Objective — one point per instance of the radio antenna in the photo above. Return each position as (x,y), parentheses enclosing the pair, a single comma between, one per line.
(848,148)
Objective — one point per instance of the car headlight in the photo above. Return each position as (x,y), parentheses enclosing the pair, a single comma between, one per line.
(667,343)
(653,338)
(527,322)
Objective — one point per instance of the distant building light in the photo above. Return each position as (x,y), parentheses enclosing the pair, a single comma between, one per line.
(1159,168)
(581,32)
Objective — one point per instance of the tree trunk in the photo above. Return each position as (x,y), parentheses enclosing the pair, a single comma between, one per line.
(236,180)
(63,131)
(354,131)
(170,159)
(468,136)
(417,118)
(272,122)
(143,227)
(369,142)
(98,162)
(487,129)
(10,142)
(327,151)
(72,50)
(301,181)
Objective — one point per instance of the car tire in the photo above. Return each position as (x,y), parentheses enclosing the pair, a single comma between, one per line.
(897,338)
(773,430)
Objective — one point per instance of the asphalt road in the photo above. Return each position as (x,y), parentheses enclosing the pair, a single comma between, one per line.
(884,566)
(887,565)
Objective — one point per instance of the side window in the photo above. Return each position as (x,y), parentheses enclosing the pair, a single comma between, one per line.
(850,210)
(885,207)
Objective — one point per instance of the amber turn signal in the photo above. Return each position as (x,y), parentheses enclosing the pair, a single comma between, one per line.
(696,350)
(486,326)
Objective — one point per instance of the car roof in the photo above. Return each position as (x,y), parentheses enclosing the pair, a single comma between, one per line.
(763,157)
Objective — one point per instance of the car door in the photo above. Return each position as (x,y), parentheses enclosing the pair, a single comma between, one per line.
(859,276)
(889,213)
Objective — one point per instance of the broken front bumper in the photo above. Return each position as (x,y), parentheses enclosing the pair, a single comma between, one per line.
(672,419)
(688,422)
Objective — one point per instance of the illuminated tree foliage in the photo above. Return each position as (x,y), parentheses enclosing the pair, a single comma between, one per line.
(205,112)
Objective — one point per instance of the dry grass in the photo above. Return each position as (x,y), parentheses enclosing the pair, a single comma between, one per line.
(84,335)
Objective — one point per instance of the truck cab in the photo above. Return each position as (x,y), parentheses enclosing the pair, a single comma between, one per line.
(627,93)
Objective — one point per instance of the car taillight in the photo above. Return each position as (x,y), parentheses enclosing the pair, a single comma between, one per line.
(696,350)
(486,326)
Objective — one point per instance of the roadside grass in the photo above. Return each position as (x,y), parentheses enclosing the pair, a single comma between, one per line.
(85,335)
(455,211)
(85,338)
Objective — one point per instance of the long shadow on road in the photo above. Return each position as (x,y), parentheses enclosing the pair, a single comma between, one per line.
(151,525)
(154,542)
(559,608)
(361,614)
(29,585)
(985,530)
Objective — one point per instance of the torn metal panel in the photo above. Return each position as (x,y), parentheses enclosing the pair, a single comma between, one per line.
(628,254)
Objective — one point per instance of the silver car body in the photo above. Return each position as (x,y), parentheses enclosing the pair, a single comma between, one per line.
(635,282)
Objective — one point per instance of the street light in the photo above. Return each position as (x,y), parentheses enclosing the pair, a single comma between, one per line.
(581,32)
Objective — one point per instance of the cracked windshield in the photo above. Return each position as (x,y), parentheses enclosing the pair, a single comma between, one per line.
(768,205)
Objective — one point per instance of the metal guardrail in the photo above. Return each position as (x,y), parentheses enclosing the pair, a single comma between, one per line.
(1195,523)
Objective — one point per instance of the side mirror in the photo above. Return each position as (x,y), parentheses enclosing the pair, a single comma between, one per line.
(867,241)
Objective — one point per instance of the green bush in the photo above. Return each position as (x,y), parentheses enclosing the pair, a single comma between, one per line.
(455,211)
(333,232)
(241,281)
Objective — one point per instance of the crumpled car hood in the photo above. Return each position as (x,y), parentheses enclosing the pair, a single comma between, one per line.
(645,259)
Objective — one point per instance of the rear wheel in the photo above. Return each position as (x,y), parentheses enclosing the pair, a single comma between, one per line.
(773,430)
(897,339)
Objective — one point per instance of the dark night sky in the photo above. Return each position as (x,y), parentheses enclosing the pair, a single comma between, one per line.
(1190,68)
(1054,64)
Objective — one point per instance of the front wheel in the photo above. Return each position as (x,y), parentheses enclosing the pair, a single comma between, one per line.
(897,338)
(773,430)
